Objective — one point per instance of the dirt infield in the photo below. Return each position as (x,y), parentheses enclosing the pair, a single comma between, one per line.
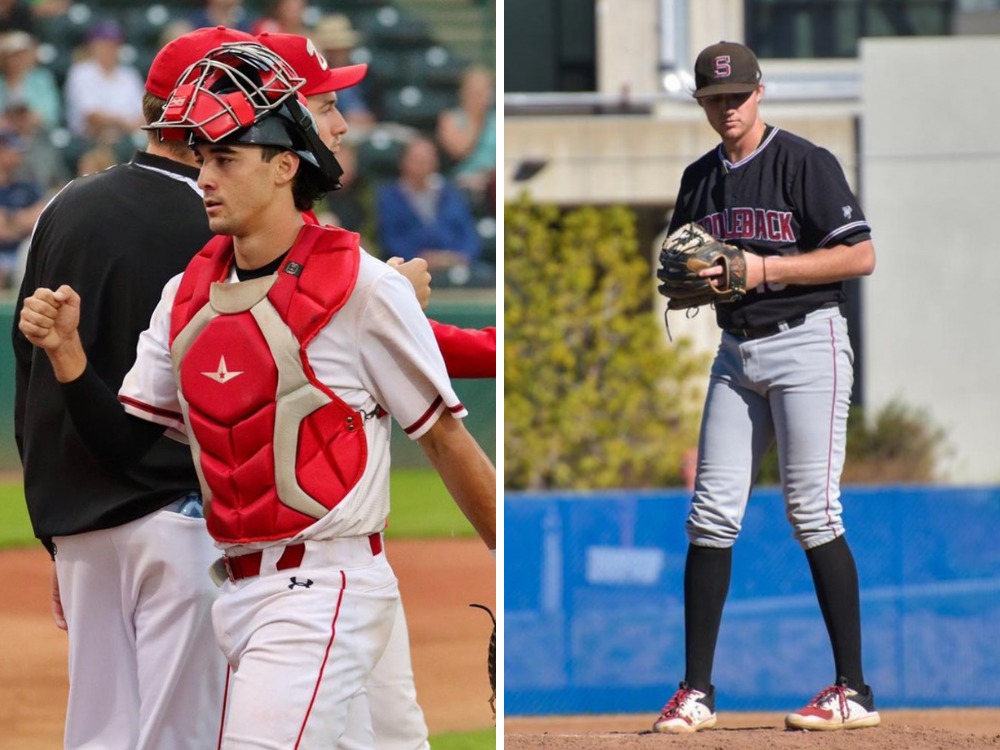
(438,580)
(900,730)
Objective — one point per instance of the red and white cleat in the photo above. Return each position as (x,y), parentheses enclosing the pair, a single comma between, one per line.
(687,711)
(836,707)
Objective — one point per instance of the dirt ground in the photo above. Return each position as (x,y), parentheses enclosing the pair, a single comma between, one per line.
(901,730)
(438,580)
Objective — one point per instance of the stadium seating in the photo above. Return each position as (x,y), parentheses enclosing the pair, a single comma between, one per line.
(414,75)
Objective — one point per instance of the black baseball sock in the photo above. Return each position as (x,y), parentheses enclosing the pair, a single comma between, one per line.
(836,579)
(706,584)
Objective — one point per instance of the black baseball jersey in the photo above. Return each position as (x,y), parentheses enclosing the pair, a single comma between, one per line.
(788,197)
(116,237)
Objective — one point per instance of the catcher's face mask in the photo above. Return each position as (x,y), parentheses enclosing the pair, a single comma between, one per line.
(245,93)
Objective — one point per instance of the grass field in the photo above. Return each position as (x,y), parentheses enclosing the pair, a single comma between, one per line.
(481,740)
(15,529)
(421,509)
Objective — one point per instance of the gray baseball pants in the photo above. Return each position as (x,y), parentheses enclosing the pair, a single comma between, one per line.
(793,387)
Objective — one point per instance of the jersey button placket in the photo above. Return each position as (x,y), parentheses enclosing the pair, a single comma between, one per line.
(728,201)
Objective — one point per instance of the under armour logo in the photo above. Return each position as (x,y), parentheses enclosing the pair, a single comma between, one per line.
(296,582)
(847,211)
(222,375)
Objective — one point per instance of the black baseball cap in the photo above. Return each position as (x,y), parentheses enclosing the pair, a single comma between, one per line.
(726,68)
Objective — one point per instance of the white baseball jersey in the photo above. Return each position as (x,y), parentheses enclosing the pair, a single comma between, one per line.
(378,350)
(340,605)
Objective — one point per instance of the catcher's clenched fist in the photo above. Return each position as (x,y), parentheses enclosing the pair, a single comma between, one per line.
(49,320)
(697,269)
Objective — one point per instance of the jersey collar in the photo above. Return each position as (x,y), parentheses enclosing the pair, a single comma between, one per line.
(169,168)
(729,166)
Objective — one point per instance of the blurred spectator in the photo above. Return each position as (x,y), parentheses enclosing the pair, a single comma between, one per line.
(350,206)
(15,15)
(336,39)
(173,30)
(31,106)
(20,204)
(468,133)
(49,8)
(103,97)
(490,194)
(41,161)
(282,17)
(424,215)
(24,81)
(96,159)
(230,13)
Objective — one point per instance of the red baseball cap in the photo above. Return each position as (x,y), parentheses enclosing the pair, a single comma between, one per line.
(308,62)
(178,55)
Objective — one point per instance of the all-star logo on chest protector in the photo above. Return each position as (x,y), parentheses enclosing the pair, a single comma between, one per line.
(223,374)
(275,449)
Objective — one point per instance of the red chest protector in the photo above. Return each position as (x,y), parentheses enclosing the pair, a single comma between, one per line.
(275,449)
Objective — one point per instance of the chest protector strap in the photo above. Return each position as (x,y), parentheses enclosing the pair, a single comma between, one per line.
(275,449)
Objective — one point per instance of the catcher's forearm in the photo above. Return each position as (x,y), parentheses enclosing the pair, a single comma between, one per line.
(467,473)
(69,360)
(115,437)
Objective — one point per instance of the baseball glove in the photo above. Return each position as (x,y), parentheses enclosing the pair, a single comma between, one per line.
(691,249)
(491,660)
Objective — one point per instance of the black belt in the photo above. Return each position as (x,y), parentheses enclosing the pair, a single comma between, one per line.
(760,332)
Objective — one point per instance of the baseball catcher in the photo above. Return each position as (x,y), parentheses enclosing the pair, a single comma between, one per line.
(687,252)
(491,659)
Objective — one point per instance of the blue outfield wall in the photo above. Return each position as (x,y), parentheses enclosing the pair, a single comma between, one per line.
(593,602)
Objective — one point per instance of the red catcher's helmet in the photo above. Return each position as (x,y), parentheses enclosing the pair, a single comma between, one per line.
(244,93)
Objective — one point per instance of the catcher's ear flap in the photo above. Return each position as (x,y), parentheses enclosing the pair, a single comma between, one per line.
(328,165)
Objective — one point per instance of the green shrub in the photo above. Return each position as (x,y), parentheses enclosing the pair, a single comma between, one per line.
(593,397)
(900,445)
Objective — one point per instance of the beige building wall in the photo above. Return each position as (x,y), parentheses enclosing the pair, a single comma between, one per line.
(931,190)
(712,21)
(628,33)
(627,40)
(640,159)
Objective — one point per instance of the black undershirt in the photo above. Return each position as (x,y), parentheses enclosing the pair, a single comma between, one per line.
(257,273)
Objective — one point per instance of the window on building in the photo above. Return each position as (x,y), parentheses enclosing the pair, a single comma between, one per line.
(550,45)
(832,28)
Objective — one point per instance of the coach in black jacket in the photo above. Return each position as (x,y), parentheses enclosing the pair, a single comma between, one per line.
(130,548)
